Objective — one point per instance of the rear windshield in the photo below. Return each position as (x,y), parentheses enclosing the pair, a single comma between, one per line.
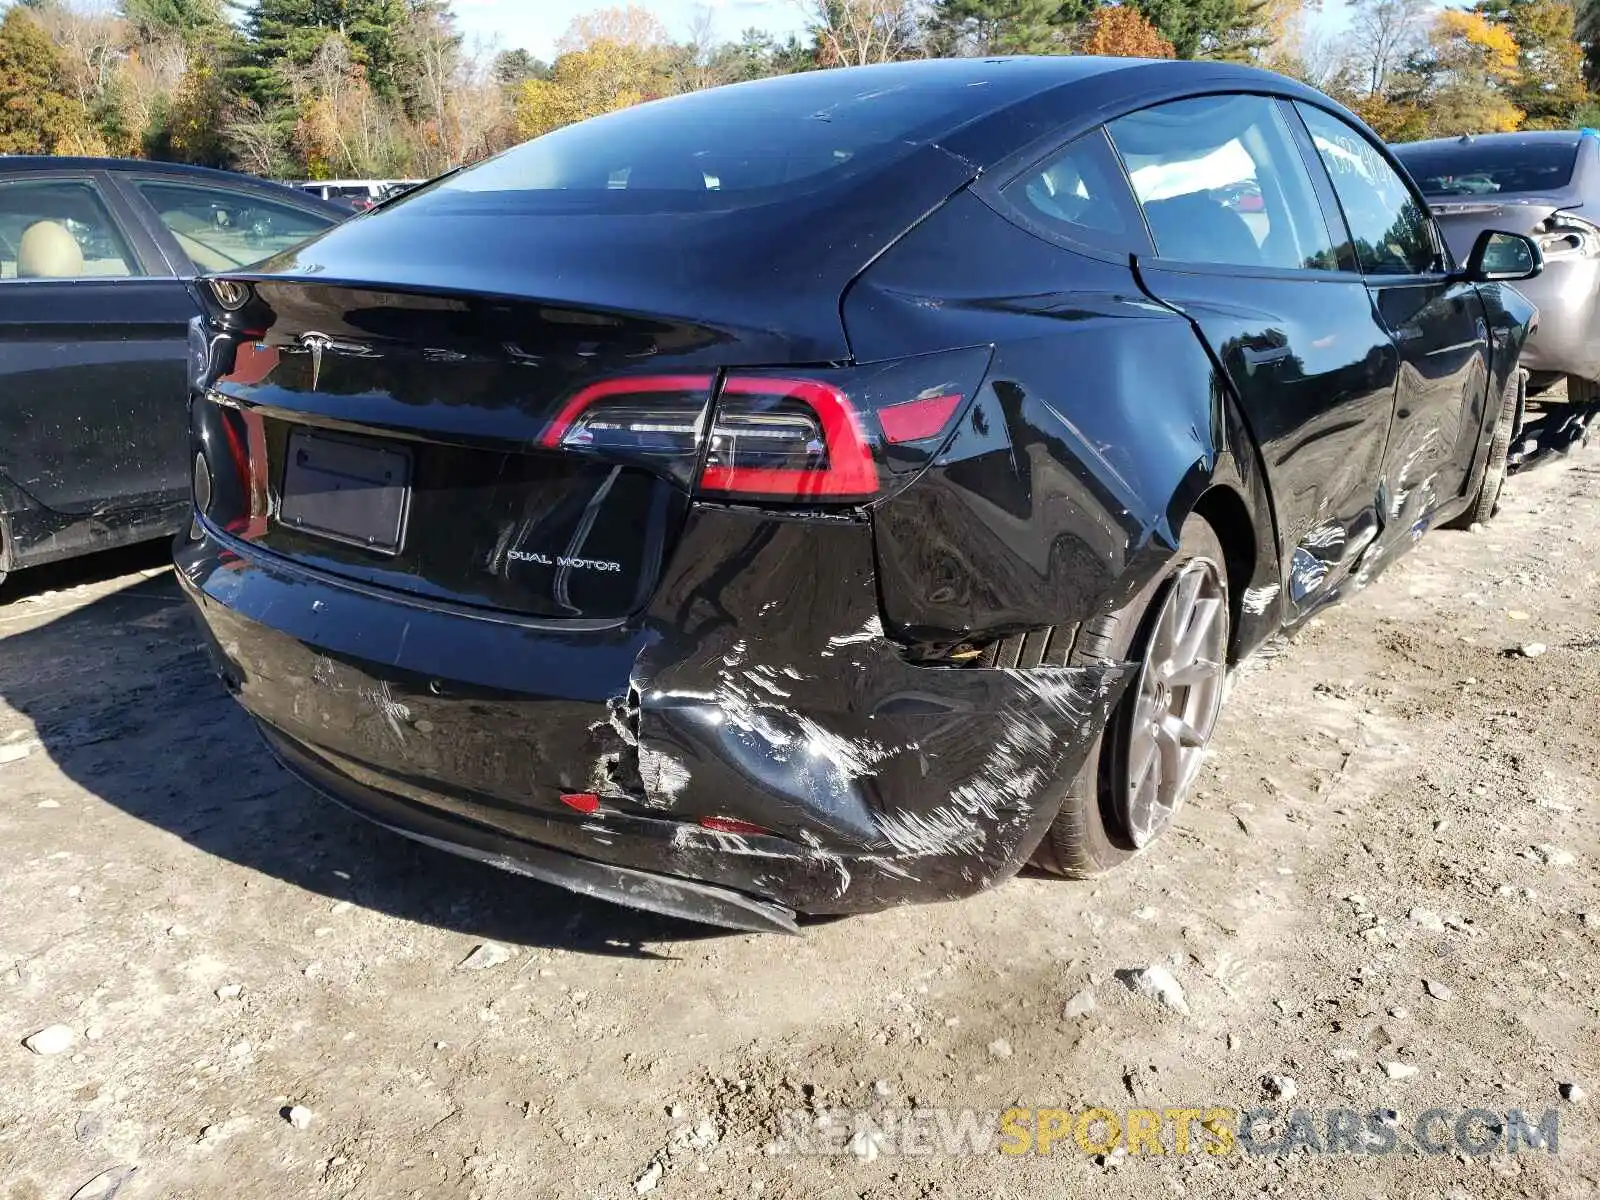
(1487,168)
(725,148)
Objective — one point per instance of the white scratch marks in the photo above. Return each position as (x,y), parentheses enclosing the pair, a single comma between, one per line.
(387,707)
(871,631)
(664,777)
(1257,600)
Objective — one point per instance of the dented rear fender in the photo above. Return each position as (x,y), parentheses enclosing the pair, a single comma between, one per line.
(1100,427)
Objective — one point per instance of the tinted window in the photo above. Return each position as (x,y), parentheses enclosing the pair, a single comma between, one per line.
(1388,224)
(59,229)
(220,229)
(1479,168)
(1220,181)
(722,148)
(1081,194)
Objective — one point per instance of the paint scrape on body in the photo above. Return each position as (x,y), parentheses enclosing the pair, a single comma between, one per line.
(664,777)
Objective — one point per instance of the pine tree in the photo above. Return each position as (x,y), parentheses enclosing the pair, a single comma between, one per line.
(288,33)
(1004,26)
(513,68)
(1227,29)
(189,19)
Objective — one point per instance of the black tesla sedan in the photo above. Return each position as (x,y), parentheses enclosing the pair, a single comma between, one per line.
(95,255)
(833,491)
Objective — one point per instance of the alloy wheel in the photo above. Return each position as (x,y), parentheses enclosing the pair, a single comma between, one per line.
(1176,701)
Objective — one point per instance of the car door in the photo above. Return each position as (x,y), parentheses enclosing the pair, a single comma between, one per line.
(1437,323)
(93,338)
(1244,246)
(210,224)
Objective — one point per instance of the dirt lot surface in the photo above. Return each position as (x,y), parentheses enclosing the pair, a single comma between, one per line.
(1394,798)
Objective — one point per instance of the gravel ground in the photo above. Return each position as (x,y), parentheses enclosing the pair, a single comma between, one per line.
(1390,860)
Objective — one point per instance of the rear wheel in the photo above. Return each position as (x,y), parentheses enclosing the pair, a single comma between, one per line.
(1486,503)
(1142,766)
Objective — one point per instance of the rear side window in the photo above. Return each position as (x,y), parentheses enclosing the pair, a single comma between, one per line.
(220,229)
(1220,181)
(1391,231)
(1080,194)
(724,148)
(1478,168)
(59,229)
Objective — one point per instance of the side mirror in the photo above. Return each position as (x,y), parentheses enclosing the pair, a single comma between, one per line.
(1499,257)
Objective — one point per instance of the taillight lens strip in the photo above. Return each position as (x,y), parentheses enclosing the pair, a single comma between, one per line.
(849,471)
(635,385)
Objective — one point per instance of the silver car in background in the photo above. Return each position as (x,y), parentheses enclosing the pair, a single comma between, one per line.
(1545,184)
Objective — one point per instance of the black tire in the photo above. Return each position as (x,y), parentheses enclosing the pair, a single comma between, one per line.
(1583,397)
(1486,503)
(1087,837)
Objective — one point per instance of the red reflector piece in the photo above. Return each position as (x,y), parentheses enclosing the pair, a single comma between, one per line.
(584,802)
(918,419)
(730,825)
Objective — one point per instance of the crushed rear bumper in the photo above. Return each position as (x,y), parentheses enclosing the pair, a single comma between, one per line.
(755,687)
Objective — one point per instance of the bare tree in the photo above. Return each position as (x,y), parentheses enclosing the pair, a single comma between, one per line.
(632,26)
(256,137)
(150,74)
(1382,34)
(853,33)
(92,41)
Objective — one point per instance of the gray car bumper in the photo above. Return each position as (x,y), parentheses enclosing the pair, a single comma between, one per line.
(1567,341)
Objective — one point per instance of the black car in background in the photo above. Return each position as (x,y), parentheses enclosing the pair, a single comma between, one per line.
(833,491)
(96,259)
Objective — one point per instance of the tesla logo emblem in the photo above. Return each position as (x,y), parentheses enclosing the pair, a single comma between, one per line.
(316,343)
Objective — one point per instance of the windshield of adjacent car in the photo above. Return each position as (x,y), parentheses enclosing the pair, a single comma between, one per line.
(727,148)
(1475,168)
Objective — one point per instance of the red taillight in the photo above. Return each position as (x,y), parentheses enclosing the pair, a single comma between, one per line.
(730,825)
(584,802)
(834,435)
(918,420)
(787,439)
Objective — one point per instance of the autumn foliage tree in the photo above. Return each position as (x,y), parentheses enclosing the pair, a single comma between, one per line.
(383,88)
(38,115)
(610,59)
(1120,31)
(1549,84)
(1467,75)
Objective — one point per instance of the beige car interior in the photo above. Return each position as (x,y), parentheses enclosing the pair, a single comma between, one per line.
(49,251)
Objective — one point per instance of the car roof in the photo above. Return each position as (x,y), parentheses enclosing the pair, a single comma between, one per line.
(46,162)
(16,164)
(996,84)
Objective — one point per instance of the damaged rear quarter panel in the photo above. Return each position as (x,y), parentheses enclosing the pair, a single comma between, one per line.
(769,693)
(1100,426)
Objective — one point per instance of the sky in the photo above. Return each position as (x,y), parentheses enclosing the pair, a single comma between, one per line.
(535,25)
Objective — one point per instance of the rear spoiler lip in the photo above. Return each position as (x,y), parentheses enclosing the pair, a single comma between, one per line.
(1452,205)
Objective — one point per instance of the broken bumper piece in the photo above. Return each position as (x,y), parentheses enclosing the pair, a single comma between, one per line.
(854,779)
(636,889)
